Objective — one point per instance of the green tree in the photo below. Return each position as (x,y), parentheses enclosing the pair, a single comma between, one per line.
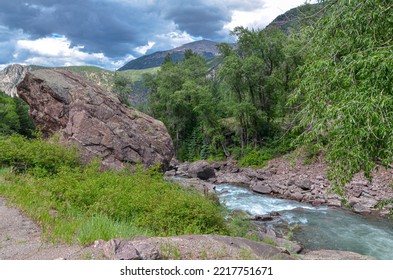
(346,88)
(14,116)
(175,93)
(122,88)
(9,120)
(256,80)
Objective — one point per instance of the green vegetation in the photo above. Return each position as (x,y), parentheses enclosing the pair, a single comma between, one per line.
(75,202)
(345,88)
(14,117)
(241,106)
(325,86)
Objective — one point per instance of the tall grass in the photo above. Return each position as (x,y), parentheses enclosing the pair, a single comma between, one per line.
(76,203)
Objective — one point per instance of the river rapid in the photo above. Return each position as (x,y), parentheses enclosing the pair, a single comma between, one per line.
(319,227)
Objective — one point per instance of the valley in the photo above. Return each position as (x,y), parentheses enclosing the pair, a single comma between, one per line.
(276,147)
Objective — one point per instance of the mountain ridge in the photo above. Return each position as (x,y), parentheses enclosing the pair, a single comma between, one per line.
(205,48)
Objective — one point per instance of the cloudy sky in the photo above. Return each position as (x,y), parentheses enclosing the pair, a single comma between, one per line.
(108,33)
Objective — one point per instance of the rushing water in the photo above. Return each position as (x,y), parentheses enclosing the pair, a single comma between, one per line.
(322,227)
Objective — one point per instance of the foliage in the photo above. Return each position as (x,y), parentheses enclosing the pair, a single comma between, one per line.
(14,117)
(176,92)
(122,88)
(36,155)
(255,158)
(240,105)
(346,88)
(74,202)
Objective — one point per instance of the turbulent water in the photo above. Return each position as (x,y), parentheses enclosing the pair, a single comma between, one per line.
(320,228)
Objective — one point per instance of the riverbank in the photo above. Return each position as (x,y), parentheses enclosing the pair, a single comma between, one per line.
(293,180)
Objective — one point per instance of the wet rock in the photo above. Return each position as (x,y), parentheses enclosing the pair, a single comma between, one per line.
(361,209)
(318,202)
(261,187)
(261,218)
(296,196)
(334,202)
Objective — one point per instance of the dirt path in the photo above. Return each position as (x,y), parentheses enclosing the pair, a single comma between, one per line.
(20,239)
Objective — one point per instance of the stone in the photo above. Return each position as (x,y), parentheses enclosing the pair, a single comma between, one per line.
(201,169)
(304,184)
(170,173)
(147,251)
(261,187)
(237,179)
(334,202)
(334,255)
(296,196)
(360,209)
(10,77)
(260,218)
(126,251)
(94,119)
(356,192)
(318,202)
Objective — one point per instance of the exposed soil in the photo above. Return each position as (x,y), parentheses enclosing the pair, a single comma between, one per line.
(20,239)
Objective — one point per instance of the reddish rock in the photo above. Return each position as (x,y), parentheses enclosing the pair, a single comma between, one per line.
(85,114)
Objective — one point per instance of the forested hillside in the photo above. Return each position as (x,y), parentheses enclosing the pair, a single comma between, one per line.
(325,86)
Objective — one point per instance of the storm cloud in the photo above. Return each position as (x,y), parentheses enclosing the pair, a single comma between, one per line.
(113,29)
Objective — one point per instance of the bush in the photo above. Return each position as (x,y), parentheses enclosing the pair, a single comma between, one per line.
(37,155)
(255,158)
(83,204)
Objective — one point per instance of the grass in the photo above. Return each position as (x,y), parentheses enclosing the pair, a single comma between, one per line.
(77,203)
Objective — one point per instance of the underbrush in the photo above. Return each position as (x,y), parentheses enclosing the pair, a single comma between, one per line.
(259,157)
(80,203)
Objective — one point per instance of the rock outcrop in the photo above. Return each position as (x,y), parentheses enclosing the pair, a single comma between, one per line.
(87,115)
(10,77)
(195,247)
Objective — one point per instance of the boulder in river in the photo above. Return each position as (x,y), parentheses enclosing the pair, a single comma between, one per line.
(94,119)
(201,169)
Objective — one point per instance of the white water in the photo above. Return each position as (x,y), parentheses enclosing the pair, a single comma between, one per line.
(321,228)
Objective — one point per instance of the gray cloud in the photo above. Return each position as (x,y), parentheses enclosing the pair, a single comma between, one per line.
(115,27)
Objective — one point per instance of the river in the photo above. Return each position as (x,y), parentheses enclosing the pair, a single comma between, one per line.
(320,227)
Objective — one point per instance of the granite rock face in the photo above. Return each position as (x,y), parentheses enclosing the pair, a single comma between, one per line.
(10,77)
(93,118)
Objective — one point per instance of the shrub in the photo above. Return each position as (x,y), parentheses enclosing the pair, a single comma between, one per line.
(83,204)
(40,156)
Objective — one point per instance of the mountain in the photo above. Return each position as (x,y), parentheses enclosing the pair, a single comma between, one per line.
(297,17)
(10,77)
(205,48)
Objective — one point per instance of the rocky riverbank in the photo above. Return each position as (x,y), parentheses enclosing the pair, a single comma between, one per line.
(293,180)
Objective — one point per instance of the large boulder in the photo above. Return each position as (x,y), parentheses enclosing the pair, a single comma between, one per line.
(201,169)
(94,119)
